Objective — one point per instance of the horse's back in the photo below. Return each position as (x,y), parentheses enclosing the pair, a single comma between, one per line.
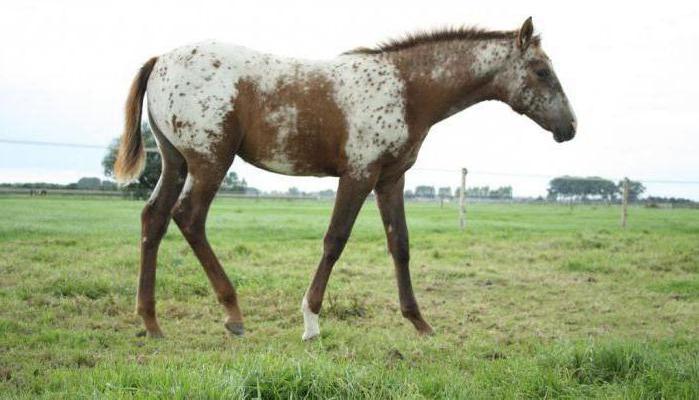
(296,117)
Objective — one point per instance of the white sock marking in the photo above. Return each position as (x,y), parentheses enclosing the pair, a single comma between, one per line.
(311,328)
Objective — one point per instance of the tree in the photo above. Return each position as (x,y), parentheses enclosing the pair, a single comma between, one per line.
(89,183)
(572,187)
(252,191)
(108,185)
(608,190)
(145,183)
(636,188)
(444,193)
(233,184)
(504,192)
(424,192)
(478,191)
(328,193)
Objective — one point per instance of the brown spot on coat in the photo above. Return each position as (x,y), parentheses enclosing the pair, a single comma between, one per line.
(316,147)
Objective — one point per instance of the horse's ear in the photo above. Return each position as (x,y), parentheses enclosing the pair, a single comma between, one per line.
(524,36)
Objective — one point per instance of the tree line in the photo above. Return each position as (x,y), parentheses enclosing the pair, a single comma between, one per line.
(429,192)
(573,188)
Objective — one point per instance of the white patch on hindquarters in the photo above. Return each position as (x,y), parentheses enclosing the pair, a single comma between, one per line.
(196,85)
(189,96)
(311,328)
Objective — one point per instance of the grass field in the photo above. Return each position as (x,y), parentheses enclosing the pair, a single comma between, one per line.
(532,301)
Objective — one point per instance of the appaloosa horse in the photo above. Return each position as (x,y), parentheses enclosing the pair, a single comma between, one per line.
(361,117)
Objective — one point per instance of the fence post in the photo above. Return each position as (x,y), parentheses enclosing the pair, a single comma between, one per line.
(462,199)
(624,203)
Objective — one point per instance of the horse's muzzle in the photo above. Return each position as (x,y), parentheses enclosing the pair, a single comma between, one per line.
(566,133)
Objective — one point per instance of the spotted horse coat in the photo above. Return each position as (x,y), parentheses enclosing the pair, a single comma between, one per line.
(361,117)
(351,109)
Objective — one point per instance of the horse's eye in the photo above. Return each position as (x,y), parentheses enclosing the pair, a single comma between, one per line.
(543,73)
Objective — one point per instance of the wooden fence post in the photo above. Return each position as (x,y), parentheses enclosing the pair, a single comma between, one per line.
(462,200)
(624,203)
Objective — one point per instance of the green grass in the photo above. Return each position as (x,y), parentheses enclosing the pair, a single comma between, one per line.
(532,301)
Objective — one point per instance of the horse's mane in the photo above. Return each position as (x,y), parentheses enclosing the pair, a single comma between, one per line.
(438,35)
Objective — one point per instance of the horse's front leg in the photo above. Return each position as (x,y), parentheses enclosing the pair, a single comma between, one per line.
(389,196)
(351,194)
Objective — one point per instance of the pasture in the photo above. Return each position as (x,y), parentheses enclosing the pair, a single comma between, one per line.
(531,301)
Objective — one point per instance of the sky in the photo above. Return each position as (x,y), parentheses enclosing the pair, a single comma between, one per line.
(628,68)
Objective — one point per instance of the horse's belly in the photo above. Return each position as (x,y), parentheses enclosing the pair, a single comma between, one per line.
(287,167)
(295,154)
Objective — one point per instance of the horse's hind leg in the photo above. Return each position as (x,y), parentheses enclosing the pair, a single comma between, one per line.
(154,221)
(190,213)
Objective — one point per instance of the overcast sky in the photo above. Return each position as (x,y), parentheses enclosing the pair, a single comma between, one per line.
(629,69)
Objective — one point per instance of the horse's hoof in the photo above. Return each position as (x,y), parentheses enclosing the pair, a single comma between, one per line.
(235,328)
(309,336)
(425,330)
(152,335)
(156,335)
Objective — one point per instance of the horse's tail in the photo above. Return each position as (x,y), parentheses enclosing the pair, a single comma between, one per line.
(131,156)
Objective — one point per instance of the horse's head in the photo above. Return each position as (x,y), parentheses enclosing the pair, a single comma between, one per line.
(531,87)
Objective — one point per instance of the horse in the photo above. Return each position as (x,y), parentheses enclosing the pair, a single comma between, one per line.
(361,116)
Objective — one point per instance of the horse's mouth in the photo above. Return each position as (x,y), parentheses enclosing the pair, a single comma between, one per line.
(566,134)
(561,138)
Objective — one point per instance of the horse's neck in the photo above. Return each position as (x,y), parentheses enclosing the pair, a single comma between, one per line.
(444,78)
